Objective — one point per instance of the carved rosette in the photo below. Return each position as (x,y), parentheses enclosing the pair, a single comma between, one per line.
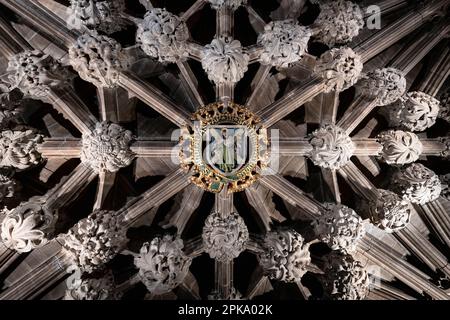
(416,111)
(445,186)
(389,212)
(340,68)
(345,278)
(103,15)
(95,240)
(18,149)
(444,111)
(92,289)
(162,264)
(7,183)
(28,226)
(400,147)
(284,43)
(224,61)
(233,4)
(98,59)
(331,147)
(286,256)
(417,184)
(163,35)
(224,238)
(35,73)
(339,227)
(338,22)
(386,85)
(107,148)
(10,109)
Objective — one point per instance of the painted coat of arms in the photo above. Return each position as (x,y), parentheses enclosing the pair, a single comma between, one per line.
(226,148)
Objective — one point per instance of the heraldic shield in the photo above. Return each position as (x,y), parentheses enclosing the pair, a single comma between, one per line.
(226,148)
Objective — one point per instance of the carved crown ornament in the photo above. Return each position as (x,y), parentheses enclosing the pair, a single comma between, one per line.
(225,148)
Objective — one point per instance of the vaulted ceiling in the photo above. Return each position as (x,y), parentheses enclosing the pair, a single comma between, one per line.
(106,192)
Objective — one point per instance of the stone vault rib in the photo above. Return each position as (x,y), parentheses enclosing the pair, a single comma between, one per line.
(367,49)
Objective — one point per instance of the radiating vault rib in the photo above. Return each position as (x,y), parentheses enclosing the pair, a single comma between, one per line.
(108,104)
(46,21)
(300,147)
(259,284)
(10,41)
(331,180)
(189,201)
(381,254)
(395,31)
(291,193)
(154,98)
(55,7)
(407,59)
(422,248)
(67,102)
(154,149)
(384,291)
(386,6)
(105,184)
(194,247)
(260,198)
(438,72)
(330,104)
(356,113)
(190,83)
(276,111)
(39,279)
(358,181)
(257,84)
(223,279)
(195,50)
(69,187)
(224,203)
(437,218)
(158,194)
(196,6)
(256,21)
(7,257)
(53,148)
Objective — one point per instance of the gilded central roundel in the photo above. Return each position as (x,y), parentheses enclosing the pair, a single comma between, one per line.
(225,147)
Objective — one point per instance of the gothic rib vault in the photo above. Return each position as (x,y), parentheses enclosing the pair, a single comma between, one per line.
(343,192)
